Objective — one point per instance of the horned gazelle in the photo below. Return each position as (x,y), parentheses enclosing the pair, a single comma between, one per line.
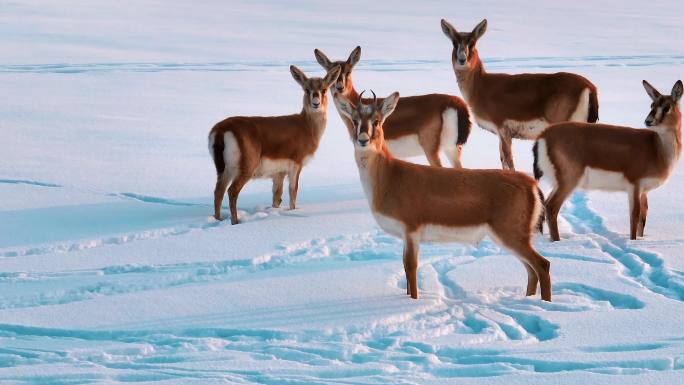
(420,203)
(517,106)
(424,124)
(248,147)
(612,158)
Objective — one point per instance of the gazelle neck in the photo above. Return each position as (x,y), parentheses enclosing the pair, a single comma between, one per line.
(350,93)
(670,134)
(315,119)
(468,76)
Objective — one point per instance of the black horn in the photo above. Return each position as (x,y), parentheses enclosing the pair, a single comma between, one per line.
(375,98)
(360,96)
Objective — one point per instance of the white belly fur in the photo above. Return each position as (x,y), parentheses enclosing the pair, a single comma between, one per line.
(528,129)
(269,167)
(434,233)
(406,146)
(462,234)
(597,179)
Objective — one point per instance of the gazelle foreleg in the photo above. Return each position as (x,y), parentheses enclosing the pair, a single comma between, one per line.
(642,214)
(411,249)
(505,151)
(634,211)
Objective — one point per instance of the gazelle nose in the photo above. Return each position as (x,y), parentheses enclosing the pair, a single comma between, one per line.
(363,142)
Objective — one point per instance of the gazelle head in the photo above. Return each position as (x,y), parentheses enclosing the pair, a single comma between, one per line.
(343,84)
(464,43)
(315,98)
(664,108)
(368,120)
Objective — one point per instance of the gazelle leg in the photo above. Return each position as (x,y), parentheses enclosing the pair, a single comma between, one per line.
(411,249)
(539,265)
(233,192)
(278,180)
(505,152)
(222,181)
(642,214)
(532,280)
(454,155)
(293,185)
(553,206)
(433,158)
(634,211)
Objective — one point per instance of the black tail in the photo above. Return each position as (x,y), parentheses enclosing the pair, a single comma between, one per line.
(537,171)
(217,153)
(542,215)
(464,124)
(593,107)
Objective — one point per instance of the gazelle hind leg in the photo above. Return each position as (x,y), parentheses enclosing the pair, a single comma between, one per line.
(539,265)
(454,155)
(278,181)
(433,158)
(643,211)
(222,181)
(553,206)
(532,280)
(411,249)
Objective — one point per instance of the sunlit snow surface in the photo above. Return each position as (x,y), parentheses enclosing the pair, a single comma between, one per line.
(113,271)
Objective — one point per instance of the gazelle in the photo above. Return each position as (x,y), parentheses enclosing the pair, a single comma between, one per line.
(424,124)
(419,203)
(517,106)
(248,147)
(612,158)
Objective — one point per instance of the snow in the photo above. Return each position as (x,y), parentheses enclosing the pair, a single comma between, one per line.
(112,269)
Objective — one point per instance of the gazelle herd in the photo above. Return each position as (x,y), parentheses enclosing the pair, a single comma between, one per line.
(419,203)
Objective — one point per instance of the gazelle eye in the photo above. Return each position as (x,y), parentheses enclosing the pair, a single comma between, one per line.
(666,109)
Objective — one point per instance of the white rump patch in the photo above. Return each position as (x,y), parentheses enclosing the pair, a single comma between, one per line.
(544,163)
(581,113)
(449,129)
(231,155)
(405,146)
(462,234)
(597,179)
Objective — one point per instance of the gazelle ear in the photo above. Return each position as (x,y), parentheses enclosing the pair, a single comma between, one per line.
(651,91)
(389,104)
(354,56)
(298,76)
(449,31)
(322,59)
(479,30)
(346,107)
(677,91)
(331,76)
